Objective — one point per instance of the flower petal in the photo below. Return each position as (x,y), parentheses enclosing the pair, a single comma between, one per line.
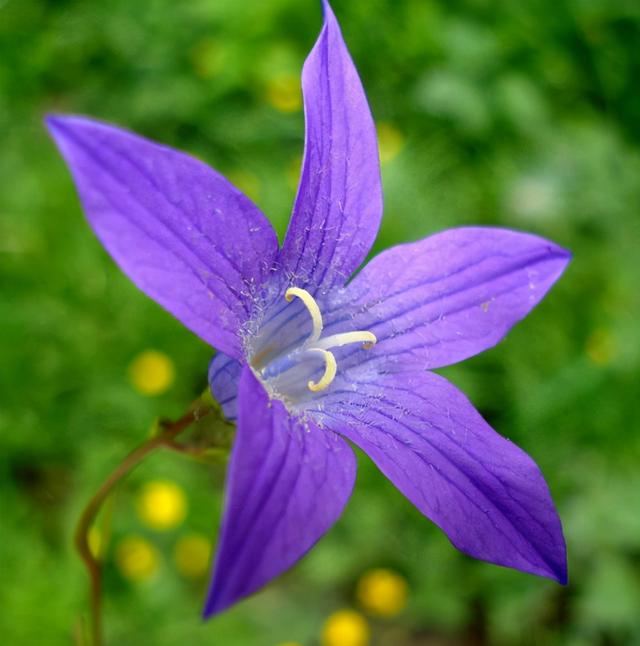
(450,296)
(426,437)
(288,482)
(224,375)
(181,232)
(339,203)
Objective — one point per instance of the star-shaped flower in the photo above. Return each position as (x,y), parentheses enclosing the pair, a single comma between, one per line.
(309,356)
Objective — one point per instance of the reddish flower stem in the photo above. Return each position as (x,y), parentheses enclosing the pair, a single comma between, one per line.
(164,438)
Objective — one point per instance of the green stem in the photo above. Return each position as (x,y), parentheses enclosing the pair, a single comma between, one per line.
(164,438)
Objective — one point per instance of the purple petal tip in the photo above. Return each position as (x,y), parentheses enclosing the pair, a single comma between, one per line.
(560,574)
(557,568)
(52,123)
(60,125)
(56,121)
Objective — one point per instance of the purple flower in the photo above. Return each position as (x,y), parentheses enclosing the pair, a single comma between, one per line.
(308,357)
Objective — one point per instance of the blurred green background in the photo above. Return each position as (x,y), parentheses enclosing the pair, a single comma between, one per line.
(518,114)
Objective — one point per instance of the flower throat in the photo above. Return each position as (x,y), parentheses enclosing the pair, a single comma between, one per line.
(314,347)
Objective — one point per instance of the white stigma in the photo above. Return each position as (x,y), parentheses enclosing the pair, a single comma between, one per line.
(318,345)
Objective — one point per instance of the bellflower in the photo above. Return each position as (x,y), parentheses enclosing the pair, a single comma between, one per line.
(309,357)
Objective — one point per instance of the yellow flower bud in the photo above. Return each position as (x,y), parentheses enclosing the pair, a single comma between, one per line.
(284,94)
(191,555)
(94,539)
(292,172)
(345,628)
(247,182)
(151,372)
(390,142)
(137,559)
(162,505)
(382,592)
(600,347)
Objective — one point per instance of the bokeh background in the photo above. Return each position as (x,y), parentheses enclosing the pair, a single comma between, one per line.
(518,114)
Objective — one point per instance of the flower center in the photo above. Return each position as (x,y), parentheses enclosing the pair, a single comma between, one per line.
(290,366)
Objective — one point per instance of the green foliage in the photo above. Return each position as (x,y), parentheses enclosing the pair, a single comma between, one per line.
(518,114)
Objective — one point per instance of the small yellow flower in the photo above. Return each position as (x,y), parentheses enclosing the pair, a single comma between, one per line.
(191,555)
(162,505)
(345,628)
(600,347)
(207,58)
(95,542)
(283,93)
(292,172)
(247,182)
(382,592)
(137,559)
(151,372)
(390,142)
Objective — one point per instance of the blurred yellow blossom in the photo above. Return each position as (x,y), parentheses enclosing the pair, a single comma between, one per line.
(345,628)
(137,559)
(293,172)
(283,93)
(247,182)
(390,141)
(191,555)
(162,504)
(95,542)
(207,58)
(600,347)
(151,372)
(382,592)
